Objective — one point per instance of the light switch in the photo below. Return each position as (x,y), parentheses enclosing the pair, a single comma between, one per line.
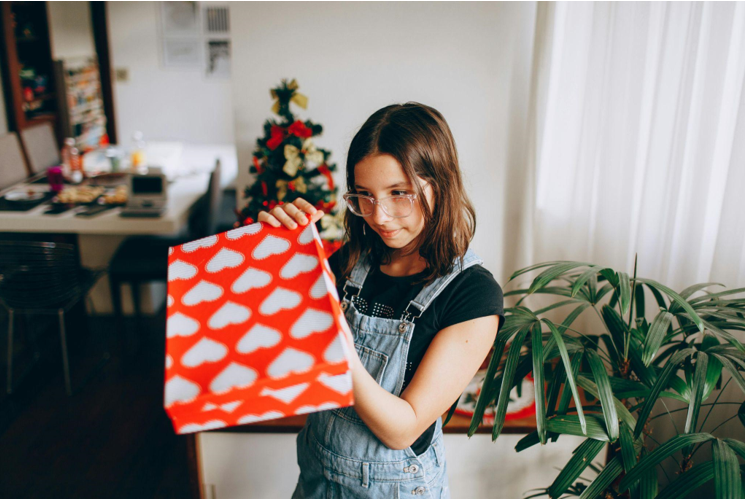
(122,74)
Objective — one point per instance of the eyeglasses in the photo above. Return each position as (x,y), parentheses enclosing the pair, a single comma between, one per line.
(398,206)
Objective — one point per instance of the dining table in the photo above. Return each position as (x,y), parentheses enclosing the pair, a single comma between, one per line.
(187,168)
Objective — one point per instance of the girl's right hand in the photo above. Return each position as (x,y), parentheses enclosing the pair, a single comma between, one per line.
(290,215)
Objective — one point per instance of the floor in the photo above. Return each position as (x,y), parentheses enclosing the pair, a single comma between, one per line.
(112,438)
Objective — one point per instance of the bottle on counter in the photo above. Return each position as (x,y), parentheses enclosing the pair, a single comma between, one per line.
(76,164)
(138,160)
(65,155)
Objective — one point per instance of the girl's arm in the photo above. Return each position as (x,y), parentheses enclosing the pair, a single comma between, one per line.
(450,362)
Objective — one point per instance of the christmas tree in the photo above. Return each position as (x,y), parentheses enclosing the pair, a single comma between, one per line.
(288,165)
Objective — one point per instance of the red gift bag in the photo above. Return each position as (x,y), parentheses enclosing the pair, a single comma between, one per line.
(254,329)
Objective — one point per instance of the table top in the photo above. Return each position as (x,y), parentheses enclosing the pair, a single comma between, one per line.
(457,424)
(188,185)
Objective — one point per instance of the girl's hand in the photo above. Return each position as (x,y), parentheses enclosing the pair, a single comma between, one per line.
(290,215)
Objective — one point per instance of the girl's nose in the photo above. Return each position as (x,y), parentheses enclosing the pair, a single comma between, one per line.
(379,216)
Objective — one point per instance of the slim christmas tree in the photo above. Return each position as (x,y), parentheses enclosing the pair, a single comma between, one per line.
(288,165)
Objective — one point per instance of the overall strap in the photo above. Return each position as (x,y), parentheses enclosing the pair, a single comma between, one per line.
(417,307)
(357,278)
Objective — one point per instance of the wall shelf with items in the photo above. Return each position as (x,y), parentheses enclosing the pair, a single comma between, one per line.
(82,115)
(26,63)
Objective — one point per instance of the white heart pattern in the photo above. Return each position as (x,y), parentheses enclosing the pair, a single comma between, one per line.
(205,350)
(205,242)
(278,300)
(194,427)
(286,395)
(251,279)
(248,230)
(290,361)
(270,245)
(181,390)
(169,301)
(224,259)
(169,362)
(181,325)
(341,383)
(233,376)
(307,235)
(203,291)
(322,286)
(298,264)
(227,407)
(305,409)
(181,270)
(229,313)
(312,321)
(258,337)
(334,352)
(252,418)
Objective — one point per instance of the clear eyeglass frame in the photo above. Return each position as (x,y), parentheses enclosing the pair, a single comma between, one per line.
(383,202)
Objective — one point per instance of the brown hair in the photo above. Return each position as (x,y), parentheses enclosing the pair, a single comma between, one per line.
(419,138)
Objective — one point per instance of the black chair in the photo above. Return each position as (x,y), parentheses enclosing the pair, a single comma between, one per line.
(140,260)
(43,278)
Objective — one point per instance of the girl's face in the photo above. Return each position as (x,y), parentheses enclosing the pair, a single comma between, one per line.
(380,176)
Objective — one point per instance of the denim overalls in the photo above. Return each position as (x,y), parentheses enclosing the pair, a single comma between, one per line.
(339,457)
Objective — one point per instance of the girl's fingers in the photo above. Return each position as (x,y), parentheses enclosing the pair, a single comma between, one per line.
(305,206)
(283,217)
(296,213)
(263,216)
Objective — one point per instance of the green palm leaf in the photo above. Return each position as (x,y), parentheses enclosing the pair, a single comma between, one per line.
(727,472)
(656,333)
(568,369)
(569,424)
(553,273)
(604,391)
(511,362)
(660,384)
(677,299)
(650,461)
(537,345)
(700,378)
(582,457)
(489,378)
(612,470)
(625,292)
(689,482)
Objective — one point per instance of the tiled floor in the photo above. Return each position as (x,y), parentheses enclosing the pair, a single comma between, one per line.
(112,439)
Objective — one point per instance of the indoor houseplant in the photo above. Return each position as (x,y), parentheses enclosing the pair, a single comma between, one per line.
(605,384)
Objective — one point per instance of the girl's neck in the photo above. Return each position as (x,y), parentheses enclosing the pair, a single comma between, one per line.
(404,265)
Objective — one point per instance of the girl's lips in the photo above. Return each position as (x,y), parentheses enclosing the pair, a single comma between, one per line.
(390,233)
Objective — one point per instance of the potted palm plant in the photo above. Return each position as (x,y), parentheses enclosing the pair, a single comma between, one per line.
(607,384)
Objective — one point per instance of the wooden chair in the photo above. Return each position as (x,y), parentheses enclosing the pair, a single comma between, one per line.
(41,147)
(12,164)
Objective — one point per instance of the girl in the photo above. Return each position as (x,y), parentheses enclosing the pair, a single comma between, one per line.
(423,311)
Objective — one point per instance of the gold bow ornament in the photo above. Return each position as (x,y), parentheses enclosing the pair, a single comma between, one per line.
(313,157)
(299,99)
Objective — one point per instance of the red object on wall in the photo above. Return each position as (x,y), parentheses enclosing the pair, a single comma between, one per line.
(254,329)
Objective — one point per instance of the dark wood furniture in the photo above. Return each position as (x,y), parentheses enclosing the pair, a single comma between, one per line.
(26,45)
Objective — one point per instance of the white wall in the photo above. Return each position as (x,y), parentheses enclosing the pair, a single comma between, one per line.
(70,30)
(471,61)
(165,104)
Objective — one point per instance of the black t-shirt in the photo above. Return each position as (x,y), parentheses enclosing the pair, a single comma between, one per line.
(471,294)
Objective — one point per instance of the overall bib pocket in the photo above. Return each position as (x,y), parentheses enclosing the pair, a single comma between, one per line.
(375,363)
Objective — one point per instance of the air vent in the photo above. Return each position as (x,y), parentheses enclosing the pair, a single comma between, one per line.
(217,20)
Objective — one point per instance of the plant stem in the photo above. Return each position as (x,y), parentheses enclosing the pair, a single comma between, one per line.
(716,400)
(687,408)
(669,415)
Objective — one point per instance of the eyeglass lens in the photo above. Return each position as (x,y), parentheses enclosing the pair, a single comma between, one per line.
(394,206)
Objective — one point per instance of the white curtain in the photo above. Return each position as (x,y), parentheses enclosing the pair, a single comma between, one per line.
(636,140)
